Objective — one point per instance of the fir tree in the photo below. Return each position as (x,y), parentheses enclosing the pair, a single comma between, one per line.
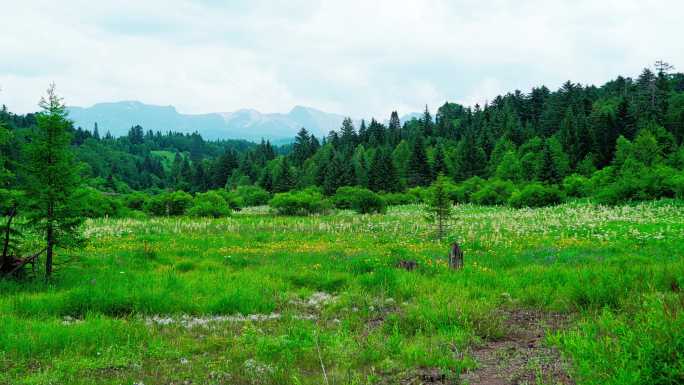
(439,208)
(418,172)
(283,179)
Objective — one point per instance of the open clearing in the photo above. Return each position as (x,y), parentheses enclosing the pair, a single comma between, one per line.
(571,294)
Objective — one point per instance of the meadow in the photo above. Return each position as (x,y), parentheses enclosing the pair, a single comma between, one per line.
(576,293)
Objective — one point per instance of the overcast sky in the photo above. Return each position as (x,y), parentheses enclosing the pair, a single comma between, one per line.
(355,57)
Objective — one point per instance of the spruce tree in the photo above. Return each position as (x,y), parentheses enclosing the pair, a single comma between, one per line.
(283,179)
(52,178)
(439,162)
(470,159)
(418,172)
(382,175)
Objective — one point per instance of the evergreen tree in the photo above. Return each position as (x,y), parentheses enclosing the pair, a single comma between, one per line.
(394,129)
(52,178)
(96,132)
(426,122)
(470,159)
(283,179)
(382,175)
(418,171)
(301,149)
(348,138)
(439,162)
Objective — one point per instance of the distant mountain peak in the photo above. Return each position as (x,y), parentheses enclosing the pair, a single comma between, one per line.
(118,117)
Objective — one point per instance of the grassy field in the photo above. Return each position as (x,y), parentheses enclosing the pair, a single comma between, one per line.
(570,294)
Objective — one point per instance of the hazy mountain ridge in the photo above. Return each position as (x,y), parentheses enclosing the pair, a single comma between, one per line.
(118,117)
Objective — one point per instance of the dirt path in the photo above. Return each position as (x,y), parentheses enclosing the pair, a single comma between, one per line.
(520,357)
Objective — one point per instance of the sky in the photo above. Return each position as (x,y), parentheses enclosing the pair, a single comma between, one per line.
(359,58)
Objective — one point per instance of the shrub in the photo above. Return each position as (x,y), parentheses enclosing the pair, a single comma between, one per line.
(94,203)
(359,199)
(420,194)
(494,192)
(305,202)
(576,186)
(253,195)
(639,183)
(536,195)
(209,204)
(463,192)
(170,203)
(233,200)
(135,201)
(395,199)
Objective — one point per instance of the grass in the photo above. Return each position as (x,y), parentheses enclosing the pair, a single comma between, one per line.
(158,301)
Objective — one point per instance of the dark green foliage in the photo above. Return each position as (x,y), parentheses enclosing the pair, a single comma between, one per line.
(361,200)
(305,202)
(536,195)
(382,175)
(576,186)
(395,199)
(168,204)
(418,171)
(95,204)
(209,204)
(253,195)
(494,192)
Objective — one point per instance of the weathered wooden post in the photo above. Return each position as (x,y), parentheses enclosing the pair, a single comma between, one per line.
(456,257)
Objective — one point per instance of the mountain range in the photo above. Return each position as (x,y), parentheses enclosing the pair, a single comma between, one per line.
(119,117)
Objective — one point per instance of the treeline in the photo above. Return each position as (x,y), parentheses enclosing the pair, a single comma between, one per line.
(618,142)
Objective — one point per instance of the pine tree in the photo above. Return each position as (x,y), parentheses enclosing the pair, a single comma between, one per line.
(52,178)
(283,179)
(439,163)
(418,172)
(394,129)
(348,138)
(426,122)
(382,175)
(96,132)
(301,149)
(470,159)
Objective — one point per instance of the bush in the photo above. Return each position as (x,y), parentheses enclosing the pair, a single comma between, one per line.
(639,183)
(420,194)
(209,204)
(359,199)
(463,192)
(94,204)
(305,202)
(536,195)
(253,195)
(170,203)
(395,199)
(135,201)
(494,192)
(576,186)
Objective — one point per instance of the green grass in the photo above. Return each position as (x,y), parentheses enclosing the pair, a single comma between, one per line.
(122,311)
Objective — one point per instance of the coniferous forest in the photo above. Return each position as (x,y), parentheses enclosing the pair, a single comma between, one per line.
(614,143)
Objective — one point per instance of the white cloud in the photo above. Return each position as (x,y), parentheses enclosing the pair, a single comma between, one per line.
(356,57)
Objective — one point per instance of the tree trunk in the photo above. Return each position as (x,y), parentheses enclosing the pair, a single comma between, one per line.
(5,260)
(50,238)
(456,257)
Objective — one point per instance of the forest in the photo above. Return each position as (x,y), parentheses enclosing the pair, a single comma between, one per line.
(615,143)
